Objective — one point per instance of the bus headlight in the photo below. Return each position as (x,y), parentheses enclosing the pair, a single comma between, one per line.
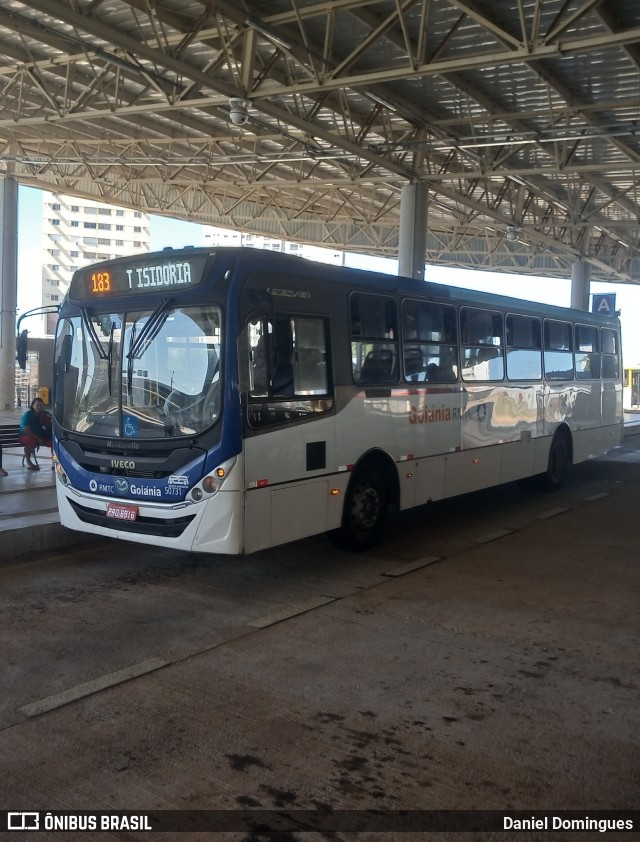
(211,484)
(214,481)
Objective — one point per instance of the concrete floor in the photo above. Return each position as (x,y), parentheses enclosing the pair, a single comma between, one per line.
(483,657)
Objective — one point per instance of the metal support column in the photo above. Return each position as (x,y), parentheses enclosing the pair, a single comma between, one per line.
(413,230)
(580,272)
(8,289)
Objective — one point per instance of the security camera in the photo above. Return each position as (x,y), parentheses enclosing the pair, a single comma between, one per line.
(512,233)
(238,111)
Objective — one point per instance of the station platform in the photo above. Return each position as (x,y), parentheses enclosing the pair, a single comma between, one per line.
(29,521)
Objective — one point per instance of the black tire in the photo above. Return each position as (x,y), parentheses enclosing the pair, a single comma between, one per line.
(365,511)
(558,464)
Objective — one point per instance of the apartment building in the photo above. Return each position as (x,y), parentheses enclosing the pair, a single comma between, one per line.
(76,232)
(222,237)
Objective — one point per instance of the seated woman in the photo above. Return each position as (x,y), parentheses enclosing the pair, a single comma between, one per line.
(35,430)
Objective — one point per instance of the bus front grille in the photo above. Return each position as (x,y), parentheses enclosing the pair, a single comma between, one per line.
(161,527)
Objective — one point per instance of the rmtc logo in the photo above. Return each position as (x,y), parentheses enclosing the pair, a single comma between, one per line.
(123,463)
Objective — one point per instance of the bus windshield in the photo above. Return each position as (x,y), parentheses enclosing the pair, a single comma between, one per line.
(139,374)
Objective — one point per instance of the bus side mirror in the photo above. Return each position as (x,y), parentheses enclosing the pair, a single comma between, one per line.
(21,349)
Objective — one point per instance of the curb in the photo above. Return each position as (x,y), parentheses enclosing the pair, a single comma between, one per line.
(22,542)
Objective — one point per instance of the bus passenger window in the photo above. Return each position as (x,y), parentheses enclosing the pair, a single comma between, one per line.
(310,357)
(258,336)
(374,333)
(524,348)
(558,350)
(288,358)
(482,348)
(282,370)
(587,353)
(288,369)
(429,342)
(610,354)
(482,364)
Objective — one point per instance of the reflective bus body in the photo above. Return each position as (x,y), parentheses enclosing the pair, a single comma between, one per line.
(230,400)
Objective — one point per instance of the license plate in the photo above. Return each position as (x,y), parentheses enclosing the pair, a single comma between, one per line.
(121,511)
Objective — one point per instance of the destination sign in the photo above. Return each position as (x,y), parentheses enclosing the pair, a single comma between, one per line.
(135,276)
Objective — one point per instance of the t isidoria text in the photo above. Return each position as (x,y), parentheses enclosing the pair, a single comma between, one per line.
(166,274)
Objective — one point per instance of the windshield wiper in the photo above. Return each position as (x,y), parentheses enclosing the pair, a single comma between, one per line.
(130,364)
(86,320)
(110,357)
(149,331)
(95,339)
(139,344)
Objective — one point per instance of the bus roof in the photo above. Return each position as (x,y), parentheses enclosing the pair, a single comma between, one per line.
(363,278)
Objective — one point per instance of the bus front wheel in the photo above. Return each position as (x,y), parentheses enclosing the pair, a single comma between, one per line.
(365,511)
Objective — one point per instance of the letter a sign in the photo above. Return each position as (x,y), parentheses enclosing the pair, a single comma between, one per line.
(604,304)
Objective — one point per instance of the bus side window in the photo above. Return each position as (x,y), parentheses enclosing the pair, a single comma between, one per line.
(482,344)
(587,352)
(310,356)
(258,333)
(282,371)
(374,339)
(429,342)
(558,350)
(290,359)
(524,348)
(610,354)
(288,369)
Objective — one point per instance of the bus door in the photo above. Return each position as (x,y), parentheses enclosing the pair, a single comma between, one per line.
(289,428)
(587,407)
(611,377)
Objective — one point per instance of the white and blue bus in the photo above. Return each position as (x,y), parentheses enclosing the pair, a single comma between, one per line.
(230,400)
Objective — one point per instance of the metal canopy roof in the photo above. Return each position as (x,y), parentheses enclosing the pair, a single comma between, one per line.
(523,118)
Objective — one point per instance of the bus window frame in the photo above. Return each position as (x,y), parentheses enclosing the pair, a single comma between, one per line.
(593,355)
(605,357)
(450,346)
(275,409)
(464,344)
(382,352)
(532,348)
(567,374)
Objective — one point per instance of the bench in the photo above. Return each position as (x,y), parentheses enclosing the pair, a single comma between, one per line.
(9,435)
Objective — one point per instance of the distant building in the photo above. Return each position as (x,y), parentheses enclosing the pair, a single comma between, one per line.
(76,232)
(212,237)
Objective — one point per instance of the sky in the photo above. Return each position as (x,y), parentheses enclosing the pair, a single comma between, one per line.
(177,233)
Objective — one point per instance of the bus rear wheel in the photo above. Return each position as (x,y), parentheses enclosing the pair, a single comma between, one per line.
(558,464)
(365,511)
